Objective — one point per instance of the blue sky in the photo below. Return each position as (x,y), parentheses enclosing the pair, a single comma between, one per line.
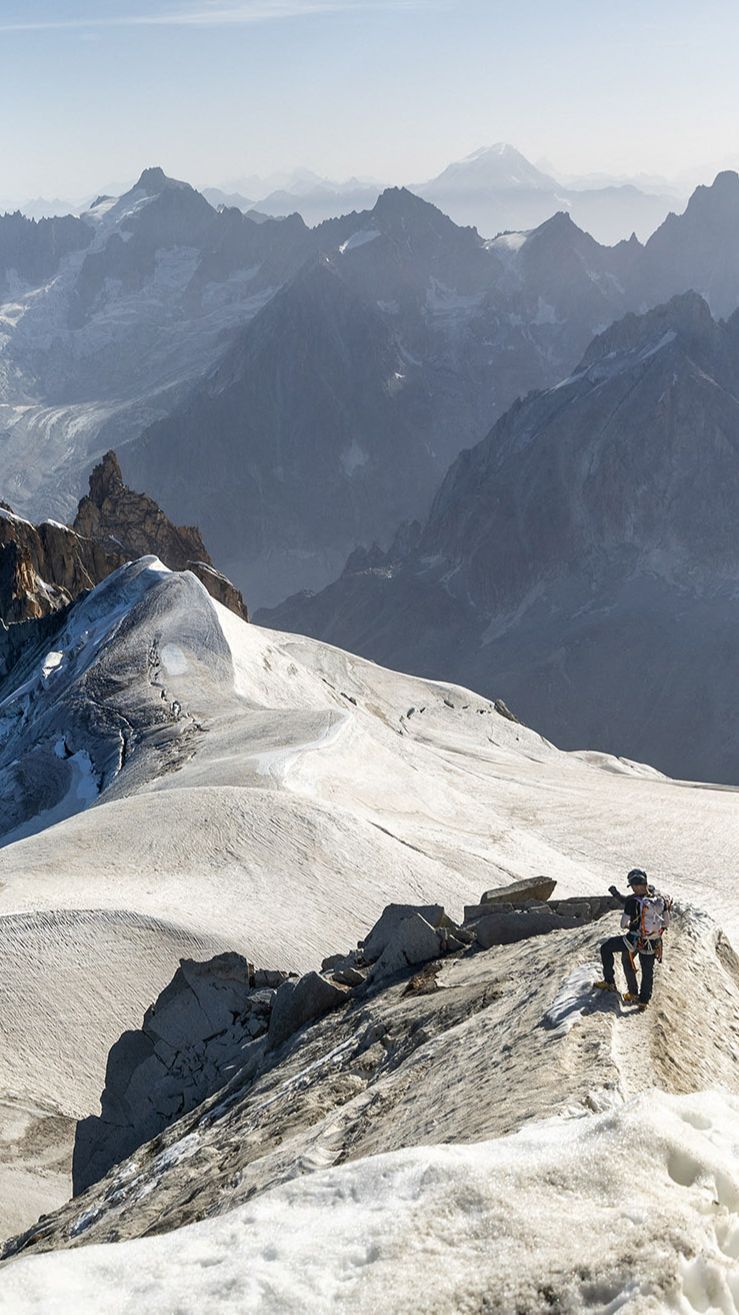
(216,89)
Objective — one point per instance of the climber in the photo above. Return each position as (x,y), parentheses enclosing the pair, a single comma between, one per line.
(644,920)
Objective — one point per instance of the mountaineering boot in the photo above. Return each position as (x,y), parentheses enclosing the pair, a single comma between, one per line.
(605,986)
(629,998)
(643,1004)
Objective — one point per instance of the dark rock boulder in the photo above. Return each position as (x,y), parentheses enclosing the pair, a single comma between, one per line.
(391,919)
(518,892)
(301,1002)
(413,941)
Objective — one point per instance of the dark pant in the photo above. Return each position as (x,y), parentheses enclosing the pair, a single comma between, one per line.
(615,946)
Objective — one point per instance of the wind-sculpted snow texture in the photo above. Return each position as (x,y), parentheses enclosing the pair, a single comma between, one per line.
(582,561)
(269,795)
(320,1136)
(525,1223)
(71,980)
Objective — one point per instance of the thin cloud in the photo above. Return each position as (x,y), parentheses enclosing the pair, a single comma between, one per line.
(258,11)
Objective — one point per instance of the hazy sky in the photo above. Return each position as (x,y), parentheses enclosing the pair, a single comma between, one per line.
(93,90)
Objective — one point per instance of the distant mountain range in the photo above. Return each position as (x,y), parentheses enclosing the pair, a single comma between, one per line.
(358,384)
(493,189)
(406,338)
(296,391)
(295,370)
(498,188)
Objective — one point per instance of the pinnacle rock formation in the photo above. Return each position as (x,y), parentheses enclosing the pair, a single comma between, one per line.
(133,524)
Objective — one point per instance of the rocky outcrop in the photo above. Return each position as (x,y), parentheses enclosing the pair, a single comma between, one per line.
(463,1053)
(508,924)
(188,1047)
(519,892)
(199,1034)
(301,1002)
(133,524)
(44,567)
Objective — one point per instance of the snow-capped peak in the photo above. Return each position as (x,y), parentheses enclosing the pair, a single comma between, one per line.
(498,168)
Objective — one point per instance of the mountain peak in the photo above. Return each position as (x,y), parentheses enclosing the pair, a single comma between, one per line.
(106,479)
(152,180)
(399,206)
(399,200)
(686,316)
(499,150)
(496,168)
(726,182)
(560,229)
(560,222)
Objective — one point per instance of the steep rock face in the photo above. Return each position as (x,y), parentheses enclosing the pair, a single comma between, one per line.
(582,560)
(31,250)
(699,248)
(189,1045)
(135,300)
(133,525)
(44,567)
(320,420)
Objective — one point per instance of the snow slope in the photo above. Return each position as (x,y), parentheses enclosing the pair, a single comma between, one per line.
(458,1228)
(271,794)
(419,1151)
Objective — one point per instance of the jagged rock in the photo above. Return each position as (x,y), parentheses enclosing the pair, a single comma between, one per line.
(133,524)
(504,711)
(518,894)
(413,941)
(389,921)
(333,961)
(269,977)
(301,1002)
(536,888)
(43,568)
(186,1049)
(349,976)
(507,924)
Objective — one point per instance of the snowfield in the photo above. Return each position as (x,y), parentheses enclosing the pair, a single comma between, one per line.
(270,794)
(633,1209)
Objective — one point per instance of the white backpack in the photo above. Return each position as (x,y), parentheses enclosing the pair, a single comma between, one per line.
(654,916)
